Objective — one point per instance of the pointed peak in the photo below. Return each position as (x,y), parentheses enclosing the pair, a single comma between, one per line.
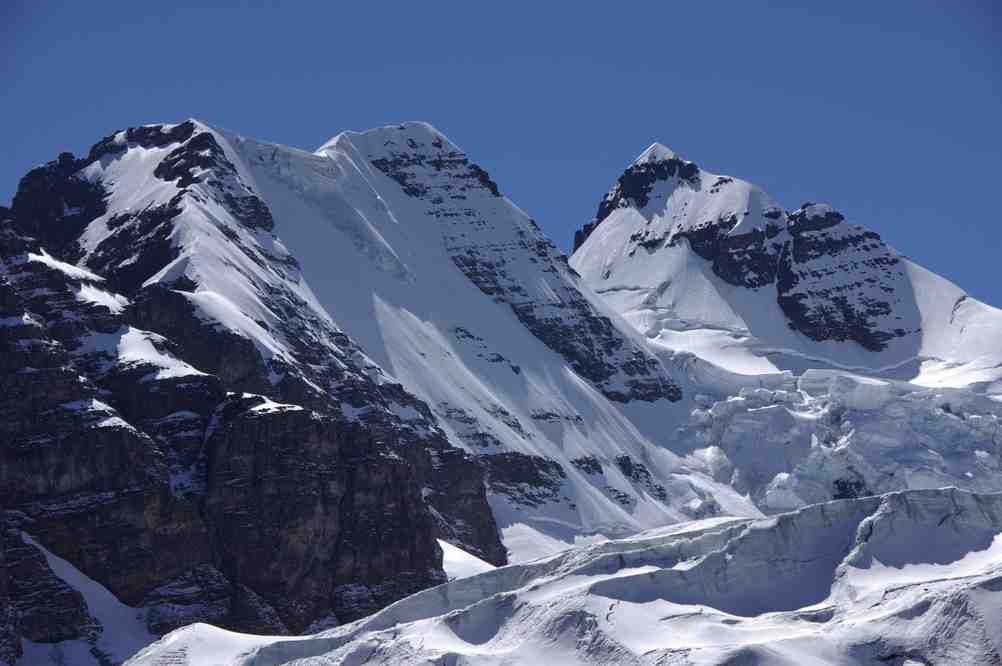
(656,152)
(815,216)
(810,210)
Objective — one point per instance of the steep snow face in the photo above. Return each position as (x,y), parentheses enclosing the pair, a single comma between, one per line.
(455,293)
(181,213)
(913,577)
(710,264)
(504,254)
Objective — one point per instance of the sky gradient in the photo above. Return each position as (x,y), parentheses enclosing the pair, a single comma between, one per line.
(889,111)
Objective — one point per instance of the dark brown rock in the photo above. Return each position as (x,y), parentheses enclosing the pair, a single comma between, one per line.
(192,495)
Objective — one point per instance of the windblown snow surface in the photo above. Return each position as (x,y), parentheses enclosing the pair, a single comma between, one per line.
(905,578)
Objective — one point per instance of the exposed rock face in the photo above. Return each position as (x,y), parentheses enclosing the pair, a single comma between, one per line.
(526,480)
(10,641)
(203,462)
(457,491)
(497,255)
(42,607)
(319,490)
(838,281)
(633,188)
(832,280)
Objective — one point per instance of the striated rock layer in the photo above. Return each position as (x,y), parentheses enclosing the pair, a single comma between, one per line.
(677,249)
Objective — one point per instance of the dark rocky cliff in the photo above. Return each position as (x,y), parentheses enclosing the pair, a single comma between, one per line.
(199,479)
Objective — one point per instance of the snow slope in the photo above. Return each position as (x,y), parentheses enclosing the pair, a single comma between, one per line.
(454,292)
(124,628)
(711,265)
(460,564)
(904,578)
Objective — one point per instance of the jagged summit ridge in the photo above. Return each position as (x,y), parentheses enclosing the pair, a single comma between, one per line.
(659,178)
(842,293)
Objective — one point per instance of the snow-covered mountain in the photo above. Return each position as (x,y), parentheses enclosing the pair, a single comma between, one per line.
(711,264)
(269,348)
(457,294)
(820,363)
(909,578)
(255,386)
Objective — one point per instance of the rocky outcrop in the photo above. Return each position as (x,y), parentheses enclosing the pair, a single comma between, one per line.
(505,255)
(10,641)
(204,594)
(42,607)
(633,188)
(525,480)
(838,281)
(198,472)
(456,489)
(832,280)
(638,473)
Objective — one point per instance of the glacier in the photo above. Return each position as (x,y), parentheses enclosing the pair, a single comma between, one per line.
(905,578)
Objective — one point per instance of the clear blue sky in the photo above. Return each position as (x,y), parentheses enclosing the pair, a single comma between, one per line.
(890,111)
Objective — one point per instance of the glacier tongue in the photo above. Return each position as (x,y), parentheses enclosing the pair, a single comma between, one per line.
(912,577)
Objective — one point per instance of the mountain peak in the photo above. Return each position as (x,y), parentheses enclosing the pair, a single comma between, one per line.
(810,209)
(403,137)
(656,152)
